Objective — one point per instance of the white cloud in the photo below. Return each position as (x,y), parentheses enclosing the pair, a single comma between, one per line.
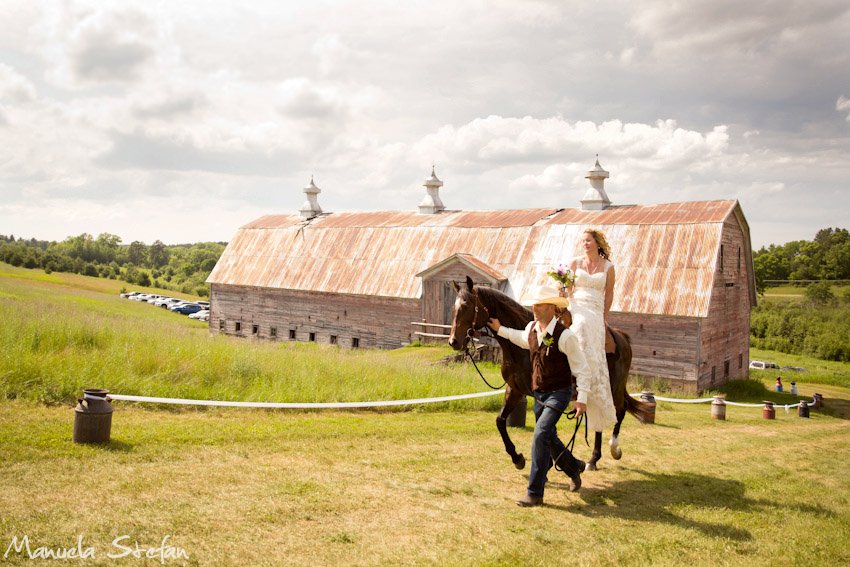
(14,87)
(734,27)
(843,105)
(105,105)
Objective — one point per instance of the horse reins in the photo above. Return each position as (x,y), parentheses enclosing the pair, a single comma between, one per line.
(469,333)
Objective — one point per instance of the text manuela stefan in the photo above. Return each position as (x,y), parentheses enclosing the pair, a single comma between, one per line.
(121,547)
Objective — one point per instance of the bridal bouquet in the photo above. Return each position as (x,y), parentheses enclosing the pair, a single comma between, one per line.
(563,276)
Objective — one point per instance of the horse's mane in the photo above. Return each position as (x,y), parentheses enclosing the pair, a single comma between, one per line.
(508,311)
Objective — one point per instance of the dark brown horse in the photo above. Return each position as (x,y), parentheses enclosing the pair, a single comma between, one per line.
(475,305)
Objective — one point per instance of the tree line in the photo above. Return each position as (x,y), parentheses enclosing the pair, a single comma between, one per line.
(818,325)
(181,267)
(827,257)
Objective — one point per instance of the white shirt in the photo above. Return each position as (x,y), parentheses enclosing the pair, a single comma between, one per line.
(567,344)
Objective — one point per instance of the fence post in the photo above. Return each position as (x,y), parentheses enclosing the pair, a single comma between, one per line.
(718,408)
(649,398)
(768,412)
(517,417)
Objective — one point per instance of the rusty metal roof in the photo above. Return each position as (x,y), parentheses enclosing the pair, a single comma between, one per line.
(664,255)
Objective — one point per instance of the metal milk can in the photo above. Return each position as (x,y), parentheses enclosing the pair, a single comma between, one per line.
(92,417)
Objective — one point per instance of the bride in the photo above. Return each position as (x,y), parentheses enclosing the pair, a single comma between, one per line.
(591,296)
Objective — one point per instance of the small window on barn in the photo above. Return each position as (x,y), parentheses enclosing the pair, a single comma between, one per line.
(739,257)
(333,339)
(312,337)
(355,342)
(238,327)
(726,369)
(712,374)
(721,257)
(273,332)
(291,334)
(740,361)
(221,324)
(255,329)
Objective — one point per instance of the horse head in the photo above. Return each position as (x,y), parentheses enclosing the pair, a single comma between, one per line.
(468,315)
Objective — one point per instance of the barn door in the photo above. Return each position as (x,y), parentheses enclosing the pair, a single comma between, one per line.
(449,296)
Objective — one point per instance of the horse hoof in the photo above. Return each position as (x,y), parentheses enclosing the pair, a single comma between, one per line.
(590,466)
(519,462)
(616,452)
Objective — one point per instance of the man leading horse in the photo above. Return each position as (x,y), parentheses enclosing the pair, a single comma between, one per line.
(555,357)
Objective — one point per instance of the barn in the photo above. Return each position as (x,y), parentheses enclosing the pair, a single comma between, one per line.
(684,287)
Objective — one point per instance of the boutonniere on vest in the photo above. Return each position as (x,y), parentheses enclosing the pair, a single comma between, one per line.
(548,341)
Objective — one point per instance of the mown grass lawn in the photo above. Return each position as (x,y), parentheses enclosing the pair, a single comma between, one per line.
(420,486)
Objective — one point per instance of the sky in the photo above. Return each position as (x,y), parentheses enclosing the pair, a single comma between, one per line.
(181,121)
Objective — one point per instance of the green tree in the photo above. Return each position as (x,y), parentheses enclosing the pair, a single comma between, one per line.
(819,293)
(158,254)
(137,254)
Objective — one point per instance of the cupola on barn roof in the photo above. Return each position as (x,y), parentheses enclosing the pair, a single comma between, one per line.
(432,204)
(311,207)
(595,199)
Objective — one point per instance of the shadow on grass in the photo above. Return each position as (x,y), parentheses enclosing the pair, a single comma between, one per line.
(657,498)
(836,407)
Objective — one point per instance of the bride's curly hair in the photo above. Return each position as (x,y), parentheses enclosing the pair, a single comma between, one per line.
(599,237)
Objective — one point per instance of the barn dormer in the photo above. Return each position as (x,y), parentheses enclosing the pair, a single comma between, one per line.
(311,207)
(595,199)
(432,204)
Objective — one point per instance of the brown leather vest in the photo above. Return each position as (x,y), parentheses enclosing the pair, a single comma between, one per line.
(550,370)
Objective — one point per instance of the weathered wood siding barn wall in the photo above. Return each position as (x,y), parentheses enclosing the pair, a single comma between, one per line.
(368,276)
(287,315)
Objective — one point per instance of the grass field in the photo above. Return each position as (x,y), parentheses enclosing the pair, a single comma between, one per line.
(426,486)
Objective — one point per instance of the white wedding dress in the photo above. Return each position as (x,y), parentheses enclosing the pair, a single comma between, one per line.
(587,305)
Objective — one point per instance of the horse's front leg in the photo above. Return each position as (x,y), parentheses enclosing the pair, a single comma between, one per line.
(512,399)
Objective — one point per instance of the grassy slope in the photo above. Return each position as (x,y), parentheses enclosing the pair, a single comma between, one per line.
(60,334)
(262,487)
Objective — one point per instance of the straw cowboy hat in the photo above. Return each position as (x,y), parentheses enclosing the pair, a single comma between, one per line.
(544,294)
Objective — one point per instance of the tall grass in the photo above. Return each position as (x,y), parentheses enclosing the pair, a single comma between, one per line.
(57,341)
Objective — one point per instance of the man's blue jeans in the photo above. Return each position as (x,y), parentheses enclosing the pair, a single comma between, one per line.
(546,446)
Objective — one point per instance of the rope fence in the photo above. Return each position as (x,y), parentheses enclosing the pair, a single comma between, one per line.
(93,415)
(305,405)
(728,403)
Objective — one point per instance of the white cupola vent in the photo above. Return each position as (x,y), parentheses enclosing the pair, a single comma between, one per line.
(311,207)
(432,204)
(595,199)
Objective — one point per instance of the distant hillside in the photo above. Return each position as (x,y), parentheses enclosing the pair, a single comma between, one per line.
(181,267)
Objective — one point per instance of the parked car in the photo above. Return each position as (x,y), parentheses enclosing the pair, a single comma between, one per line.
(167,302)
(129,294)
(202,315)
(140,297)
(186,308)
(762,365)
(153,297)
(204,304)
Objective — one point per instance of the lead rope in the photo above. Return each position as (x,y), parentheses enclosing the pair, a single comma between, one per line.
(470,347)
(572,443)
(468,352)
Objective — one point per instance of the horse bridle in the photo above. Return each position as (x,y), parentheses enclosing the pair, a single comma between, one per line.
(475,325)
(470,333)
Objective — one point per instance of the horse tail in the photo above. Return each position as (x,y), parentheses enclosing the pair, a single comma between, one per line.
(641,410)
